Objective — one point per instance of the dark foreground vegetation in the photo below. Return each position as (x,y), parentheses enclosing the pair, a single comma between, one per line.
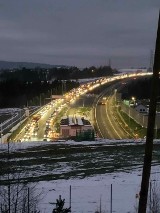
(23,87)
(139,88)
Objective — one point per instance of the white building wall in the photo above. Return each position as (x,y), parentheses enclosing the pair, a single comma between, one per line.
(72,130)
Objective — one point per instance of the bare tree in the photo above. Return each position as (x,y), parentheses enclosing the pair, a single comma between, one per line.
(154,199)
(16,195)
(22,199)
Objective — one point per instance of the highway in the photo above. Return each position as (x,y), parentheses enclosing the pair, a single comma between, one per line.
(105,116)
(106,120)
(36,130)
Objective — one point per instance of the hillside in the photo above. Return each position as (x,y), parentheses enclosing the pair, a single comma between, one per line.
(29,65)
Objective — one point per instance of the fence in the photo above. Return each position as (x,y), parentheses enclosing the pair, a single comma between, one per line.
(140,118)
(116,197)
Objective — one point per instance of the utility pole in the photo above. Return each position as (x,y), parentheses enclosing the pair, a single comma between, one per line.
(28,201)
(150,128)
(151,61)
(111,199)
(70,197)
(100,207)
(109,62)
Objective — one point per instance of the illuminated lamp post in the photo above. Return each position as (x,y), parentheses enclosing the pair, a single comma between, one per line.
(134,100)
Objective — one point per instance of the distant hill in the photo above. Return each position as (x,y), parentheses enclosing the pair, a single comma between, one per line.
(30,65)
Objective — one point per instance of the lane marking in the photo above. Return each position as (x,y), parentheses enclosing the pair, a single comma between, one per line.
(110,119)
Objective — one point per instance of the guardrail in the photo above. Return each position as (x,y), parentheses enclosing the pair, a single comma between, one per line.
(18,117)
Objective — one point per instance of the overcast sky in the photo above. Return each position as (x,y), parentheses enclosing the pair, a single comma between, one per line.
(79,32)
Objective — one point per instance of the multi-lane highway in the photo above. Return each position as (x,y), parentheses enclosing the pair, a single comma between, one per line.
(39,126)
(106,119)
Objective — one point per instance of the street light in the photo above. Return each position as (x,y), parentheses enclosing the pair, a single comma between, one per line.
(115,92)
(129,117)
(134,100)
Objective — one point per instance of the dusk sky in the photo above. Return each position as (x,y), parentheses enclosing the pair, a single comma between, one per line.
(79,32)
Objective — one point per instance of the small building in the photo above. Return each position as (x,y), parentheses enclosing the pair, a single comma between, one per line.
(75,126)
(141,108)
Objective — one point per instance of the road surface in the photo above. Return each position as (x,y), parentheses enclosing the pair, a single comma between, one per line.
(107,122)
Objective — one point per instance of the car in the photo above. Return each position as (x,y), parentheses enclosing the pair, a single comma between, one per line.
(101,103)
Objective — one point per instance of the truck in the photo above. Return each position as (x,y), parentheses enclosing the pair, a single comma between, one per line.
(36,117)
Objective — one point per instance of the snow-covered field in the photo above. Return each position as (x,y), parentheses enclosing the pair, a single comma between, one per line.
(89,168)
(87,193)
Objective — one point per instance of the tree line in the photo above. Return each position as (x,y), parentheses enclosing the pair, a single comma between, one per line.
(23,87)
(63,73)
(140,89)
(15,93)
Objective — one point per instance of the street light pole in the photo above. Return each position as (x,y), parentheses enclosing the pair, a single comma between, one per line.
(129,116)
(51,94)
(40,100)
(134,100)
(1,134)
(115,92)
(62,87)
(83,102)
(156,132)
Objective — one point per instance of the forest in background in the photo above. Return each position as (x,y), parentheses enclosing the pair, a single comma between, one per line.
(28,87)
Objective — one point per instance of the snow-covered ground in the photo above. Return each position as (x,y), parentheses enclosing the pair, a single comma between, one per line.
(87,193)
(89,168)
(9,110)
(85,80)
(26,144)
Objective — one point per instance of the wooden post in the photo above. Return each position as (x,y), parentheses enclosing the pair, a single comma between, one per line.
(70,197)
(150,196)
(100,206)
(150,128)
(111,198)
(28,202)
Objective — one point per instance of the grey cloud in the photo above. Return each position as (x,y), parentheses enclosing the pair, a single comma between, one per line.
(77,32)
